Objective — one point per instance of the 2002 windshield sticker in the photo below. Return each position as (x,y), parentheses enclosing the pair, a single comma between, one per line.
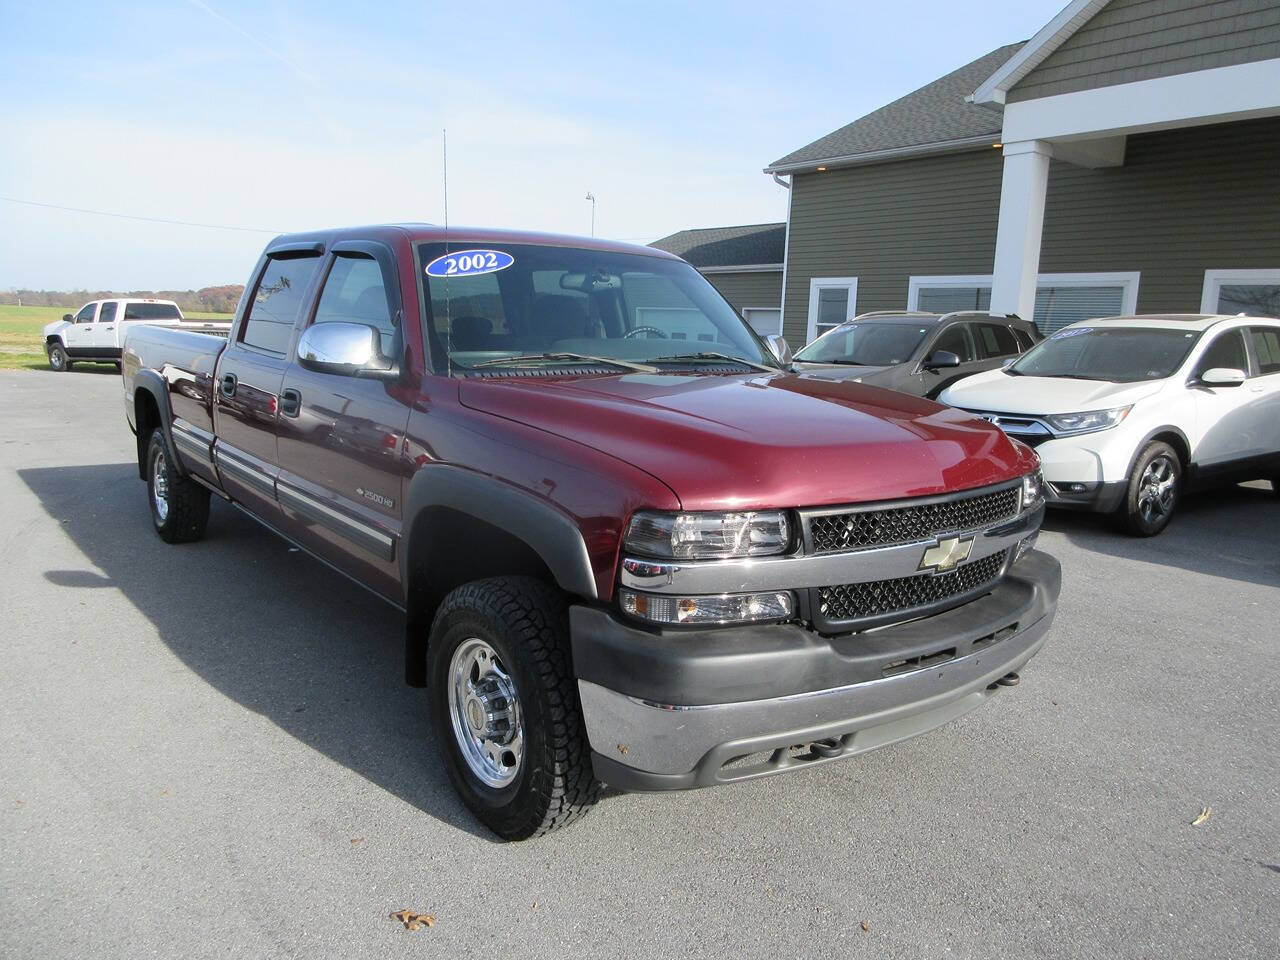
(469,263)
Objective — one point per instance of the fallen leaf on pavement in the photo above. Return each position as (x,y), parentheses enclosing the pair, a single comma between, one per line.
(1205,814)
(355,840)
(866,927)
(414,921)
(164,792)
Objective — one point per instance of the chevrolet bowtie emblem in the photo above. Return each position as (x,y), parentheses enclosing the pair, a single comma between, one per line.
(946,555)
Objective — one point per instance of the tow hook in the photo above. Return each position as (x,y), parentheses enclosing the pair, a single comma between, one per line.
(1008,680)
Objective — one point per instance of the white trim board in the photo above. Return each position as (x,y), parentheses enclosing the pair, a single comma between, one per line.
(1215,280)
(816,284)
(1036,50)
(744,268)
(1127,280)
(1217,95)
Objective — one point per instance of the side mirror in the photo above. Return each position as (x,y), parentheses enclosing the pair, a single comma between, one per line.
(346,349)
(779,347)
(941,359)
(1222,377)
(67,318)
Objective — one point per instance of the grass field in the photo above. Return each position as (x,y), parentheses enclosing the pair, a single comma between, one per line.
(21,346)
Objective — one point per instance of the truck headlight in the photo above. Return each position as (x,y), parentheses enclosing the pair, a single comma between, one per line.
(724,608)
(1032,490)
(708,536)
(1091,421)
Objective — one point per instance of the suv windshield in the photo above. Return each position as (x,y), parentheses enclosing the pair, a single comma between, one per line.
(1117,354)
(870,344)
(499,305)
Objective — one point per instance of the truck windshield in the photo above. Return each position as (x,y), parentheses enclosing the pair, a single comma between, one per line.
(151,311)
(870,344)
(508,305)
(1116,354)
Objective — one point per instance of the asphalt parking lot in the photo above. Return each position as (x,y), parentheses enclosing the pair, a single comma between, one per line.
(207,750)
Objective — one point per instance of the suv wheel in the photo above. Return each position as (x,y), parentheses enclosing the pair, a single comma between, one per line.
(505,706)
(179,505)
(58,360)
(1154,488)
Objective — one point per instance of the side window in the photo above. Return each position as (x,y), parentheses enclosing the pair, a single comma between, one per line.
(108,314)
(1025,341)
(354,293)
(86,313)
(276,303)
(955,339)
(997,340)
(1227,350)
(1266,344)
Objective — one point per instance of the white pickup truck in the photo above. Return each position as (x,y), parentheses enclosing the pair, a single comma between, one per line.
(96,332)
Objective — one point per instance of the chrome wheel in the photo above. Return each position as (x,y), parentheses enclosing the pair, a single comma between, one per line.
(57,358)
(485,710)
(1157,489)
(160,486)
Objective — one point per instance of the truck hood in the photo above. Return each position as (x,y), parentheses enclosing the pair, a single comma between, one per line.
(762,440)
(999,392)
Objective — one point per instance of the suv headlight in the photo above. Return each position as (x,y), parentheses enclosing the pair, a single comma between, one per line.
(1069,424)
(708,536)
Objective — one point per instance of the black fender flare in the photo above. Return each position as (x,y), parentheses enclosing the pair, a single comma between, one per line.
(151,382)
(548,531)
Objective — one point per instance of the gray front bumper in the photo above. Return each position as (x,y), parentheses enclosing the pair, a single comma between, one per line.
(640,743)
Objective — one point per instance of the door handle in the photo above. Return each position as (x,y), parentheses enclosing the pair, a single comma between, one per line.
(108,328)
(228,384)
(290,402)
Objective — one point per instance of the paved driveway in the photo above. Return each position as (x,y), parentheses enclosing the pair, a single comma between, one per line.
(207,751)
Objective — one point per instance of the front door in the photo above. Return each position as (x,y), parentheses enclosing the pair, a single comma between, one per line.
(1265,388)
(78,337)
(1226,428)
(247,387)
(341,438)
(954,338)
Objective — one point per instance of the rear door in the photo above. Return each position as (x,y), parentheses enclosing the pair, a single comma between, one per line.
(78,337)
(249,374)
(341,438)
(104,331)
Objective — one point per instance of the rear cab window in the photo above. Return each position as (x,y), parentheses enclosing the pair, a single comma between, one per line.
(276,302)
(138,310)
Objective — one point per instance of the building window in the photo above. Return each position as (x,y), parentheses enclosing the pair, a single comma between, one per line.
(764,320)
(1252,292)
(832,301)
(1061,298)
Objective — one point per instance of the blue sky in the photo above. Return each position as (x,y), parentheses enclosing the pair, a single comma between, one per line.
(284,116)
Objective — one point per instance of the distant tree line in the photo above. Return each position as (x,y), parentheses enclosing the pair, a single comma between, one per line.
(221,299)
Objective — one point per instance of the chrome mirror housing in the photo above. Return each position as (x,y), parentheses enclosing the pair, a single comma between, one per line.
(346,349)
(779,347)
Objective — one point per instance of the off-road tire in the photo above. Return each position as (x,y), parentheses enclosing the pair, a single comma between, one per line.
(59,362)
(1132,518)
(526,622)
(188,512)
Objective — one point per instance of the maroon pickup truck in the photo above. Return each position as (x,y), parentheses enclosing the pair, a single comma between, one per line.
(630,545)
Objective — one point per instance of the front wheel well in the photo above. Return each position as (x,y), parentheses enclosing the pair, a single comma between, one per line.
(1174,439)
(448,548)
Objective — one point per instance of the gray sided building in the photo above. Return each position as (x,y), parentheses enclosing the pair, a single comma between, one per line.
(1126,158)
(744,263)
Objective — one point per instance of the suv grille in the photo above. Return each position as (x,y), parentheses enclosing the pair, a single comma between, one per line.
(860,529)
(881,598)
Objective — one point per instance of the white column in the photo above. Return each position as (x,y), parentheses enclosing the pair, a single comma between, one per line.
(1022,192)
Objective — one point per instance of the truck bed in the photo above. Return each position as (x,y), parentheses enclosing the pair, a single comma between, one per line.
(185,358)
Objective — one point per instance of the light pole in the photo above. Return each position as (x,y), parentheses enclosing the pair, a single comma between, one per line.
(592,198)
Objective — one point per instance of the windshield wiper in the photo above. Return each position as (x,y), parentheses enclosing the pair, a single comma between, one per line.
(563,358)
(709,355)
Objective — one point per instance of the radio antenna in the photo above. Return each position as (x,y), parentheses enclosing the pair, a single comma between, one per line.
(448,312)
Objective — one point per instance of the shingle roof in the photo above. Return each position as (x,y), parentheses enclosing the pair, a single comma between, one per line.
(936,113)
(756,243)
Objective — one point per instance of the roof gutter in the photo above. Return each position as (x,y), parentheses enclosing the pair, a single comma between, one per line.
(779,181)
(884,156)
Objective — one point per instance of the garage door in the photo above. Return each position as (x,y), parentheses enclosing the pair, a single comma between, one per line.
(764,320)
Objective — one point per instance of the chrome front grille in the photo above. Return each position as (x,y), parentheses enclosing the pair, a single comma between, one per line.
(864,528)
(853,605)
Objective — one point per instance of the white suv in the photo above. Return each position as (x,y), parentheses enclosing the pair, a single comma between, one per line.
(1127,412)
